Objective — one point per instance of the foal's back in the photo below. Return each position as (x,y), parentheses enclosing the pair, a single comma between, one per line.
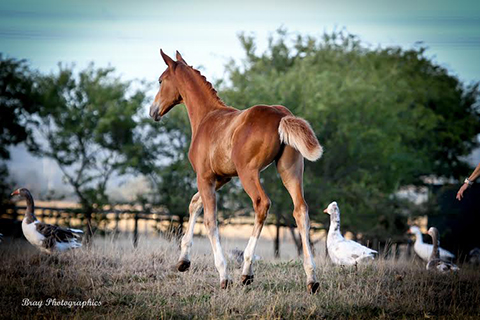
(228,139)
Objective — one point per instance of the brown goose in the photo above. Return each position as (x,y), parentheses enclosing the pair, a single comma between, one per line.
(435,263)
(474,256)
(424,250)
(46,237)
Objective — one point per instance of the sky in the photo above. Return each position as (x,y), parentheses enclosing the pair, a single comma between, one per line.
(128,35)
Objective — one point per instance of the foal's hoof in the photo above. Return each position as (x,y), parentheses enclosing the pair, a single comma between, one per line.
(183,265)
(225,284)
(246,279)
(313,287)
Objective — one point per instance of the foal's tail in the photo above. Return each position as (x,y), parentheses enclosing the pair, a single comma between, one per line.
(298,134)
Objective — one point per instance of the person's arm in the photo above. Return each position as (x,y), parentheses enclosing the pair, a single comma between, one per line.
(468,182)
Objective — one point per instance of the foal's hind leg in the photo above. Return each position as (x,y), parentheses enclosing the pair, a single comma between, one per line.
(195,208)
(290,168)
(261,203)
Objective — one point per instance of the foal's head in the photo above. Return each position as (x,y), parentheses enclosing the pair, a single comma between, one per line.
(168,95)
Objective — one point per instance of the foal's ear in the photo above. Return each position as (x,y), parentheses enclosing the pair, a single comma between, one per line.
(169,61)
(179,58)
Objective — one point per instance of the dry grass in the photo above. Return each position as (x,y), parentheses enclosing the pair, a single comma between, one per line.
(143,284)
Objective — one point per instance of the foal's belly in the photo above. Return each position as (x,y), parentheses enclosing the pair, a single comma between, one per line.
(223,165)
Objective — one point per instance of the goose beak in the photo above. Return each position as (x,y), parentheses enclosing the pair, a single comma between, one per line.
(325,211)
(14,193)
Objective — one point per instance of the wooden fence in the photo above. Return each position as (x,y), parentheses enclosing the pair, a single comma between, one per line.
(122,221)
(104,222)
(129,221)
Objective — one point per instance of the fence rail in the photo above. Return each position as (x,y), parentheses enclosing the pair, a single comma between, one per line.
(123,221)
(132,222)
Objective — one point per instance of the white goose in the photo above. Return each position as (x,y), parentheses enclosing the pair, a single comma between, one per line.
(237,256)
(435,263)
(424,250)
(46,237)
(342,251)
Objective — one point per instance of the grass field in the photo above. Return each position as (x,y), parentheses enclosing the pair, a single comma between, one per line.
(143,284)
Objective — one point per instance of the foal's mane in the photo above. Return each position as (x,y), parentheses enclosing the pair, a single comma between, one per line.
(208,85)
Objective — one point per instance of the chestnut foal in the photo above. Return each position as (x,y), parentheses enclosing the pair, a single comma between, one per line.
(228,142)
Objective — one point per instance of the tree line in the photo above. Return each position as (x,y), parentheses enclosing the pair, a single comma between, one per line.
(387,118)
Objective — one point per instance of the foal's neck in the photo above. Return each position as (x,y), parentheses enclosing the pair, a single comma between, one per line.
(199,97)
(197,111)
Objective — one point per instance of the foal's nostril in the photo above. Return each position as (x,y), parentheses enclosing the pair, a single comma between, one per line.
(153,111)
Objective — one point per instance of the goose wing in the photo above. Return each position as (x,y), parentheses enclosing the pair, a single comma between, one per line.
(349,252)
(424,251)
(360,250)
(445,254)
(55,234)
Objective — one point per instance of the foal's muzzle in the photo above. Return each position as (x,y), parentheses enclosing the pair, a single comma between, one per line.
(155,112)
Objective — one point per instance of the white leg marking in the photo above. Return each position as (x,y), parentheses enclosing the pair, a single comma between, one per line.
(187,240)
(248,256)
(210,221)
(220,262)
(308,263)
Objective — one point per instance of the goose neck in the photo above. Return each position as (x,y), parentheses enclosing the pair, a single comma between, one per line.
(30,211)
(334,229)
(435,251)
(418,237)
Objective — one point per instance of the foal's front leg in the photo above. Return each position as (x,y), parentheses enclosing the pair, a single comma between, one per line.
(206,187)
(195,208)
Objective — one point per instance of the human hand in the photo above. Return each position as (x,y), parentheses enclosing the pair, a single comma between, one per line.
(461,191)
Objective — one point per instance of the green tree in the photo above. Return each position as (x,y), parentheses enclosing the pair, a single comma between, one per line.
(18,97)
(387,118)
(87,123)
(168,169)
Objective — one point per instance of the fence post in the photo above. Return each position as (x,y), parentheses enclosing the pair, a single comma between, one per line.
(15,213)
(276,242)
(89,233)
(135,231)
(117,220)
